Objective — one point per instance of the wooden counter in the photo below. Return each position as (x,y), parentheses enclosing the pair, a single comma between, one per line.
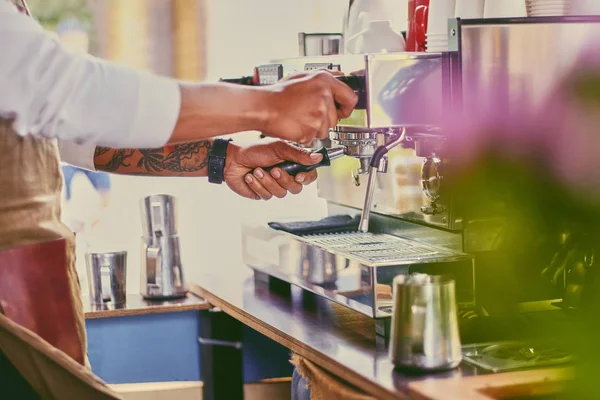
(137,305)
(344,343)
(545,383)
(333,337)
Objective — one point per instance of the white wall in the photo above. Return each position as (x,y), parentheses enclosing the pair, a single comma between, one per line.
(242,34)
(246,33)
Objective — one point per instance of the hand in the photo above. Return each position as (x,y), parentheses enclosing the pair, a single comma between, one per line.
(303,107)
(259,185)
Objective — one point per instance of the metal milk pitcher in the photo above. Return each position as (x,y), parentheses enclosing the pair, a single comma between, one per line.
(424,332)
(107,273)
(161,272)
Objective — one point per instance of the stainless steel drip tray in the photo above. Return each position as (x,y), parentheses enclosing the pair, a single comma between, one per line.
(351,268)
(377,249)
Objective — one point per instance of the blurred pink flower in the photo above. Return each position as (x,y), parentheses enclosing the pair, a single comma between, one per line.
(562,133)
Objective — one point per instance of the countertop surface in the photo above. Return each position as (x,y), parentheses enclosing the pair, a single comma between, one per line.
(332,336)
(137,305)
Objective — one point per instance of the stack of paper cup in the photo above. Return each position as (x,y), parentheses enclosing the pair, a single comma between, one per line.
(505,9)
(437,24)
(548,8)
(584,7)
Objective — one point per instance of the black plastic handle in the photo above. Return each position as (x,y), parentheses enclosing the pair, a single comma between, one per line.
(293,168)
(358,84)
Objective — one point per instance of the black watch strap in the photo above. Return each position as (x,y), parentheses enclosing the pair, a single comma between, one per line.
(216,161)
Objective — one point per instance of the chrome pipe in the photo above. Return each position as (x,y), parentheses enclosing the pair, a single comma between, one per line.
(381,151)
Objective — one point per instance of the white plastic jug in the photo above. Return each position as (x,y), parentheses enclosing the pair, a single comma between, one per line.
(369,21)
(378,37)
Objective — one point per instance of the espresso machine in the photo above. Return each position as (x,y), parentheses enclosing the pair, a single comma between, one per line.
(393,174)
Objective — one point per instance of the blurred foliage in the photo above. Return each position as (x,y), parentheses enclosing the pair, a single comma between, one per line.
(548,243)
(50,12)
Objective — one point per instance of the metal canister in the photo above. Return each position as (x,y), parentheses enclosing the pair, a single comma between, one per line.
(424,332)
(107,274)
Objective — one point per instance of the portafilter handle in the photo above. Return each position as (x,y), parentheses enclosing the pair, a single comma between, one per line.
(293,168)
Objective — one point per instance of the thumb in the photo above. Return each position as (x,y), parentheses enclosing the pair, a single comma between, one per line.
(288,152)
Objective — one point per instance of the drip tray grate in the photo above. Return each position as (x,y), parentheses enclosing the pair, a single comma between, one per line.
(377,249)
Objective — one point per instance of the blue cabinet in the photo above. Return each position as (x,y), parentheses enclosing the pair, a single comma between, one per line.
(164,347)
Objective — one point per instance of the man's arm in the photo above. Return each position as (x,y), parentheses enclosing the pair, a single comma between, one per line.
(187,159)
(244,173)
(51,92)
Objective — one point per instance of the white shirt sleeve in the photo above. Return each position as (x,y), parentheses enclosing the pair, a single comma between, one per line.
(78,155)
(54,93)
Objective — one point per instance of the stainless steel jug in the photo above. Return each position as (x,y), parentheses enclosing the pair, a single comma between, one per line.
(107,274)
(424,332)
(161,272)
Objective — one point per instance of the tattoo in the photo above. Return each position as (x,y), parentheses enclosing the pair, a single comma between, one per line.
(176,160)
(117,160)
(101,150)
(187,157)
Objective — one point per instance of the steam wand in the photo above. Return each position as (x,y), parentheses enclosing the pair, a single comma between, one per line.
(378,155)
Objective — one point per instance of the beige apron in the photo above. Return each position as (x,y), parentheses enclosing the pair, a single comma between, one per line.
(31,185)
(30,196)
(30,211)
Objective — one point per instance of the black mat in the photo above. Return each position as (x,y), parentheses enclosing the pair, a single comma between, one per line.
(334,224)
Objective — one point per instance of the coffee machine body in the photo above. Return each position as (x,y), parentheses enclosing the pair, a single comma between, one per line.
(161,273)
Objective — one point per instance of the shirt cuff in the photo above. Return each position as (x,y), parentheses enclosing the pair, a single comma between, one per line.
(78,155)
(159,102)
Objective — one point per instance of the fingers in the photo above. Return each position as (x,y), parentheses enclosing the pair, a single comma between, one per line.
(341,94)
(344,96)
(360,72)
(287,152)
(264,185)
(278,183)
(333,115)
(292,153)
(329,112)
(324,130)
(331,72)
(306,178)
(304,74)
(286,181)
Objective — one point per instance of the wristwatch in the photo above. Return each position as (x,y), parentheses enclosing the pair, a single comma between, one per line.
(216,161)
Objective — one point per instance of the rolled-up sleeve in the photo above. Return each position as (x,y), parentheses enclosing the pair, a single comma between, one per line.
(78,155)
(51,92)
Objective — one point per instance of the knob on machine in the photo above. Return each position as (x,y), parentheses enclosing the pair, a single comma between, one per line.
(431,180)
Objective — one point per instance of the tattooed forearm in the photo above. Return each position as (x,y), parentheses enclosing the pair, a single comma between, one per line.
(188,159)
(101,150)
(118,159)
